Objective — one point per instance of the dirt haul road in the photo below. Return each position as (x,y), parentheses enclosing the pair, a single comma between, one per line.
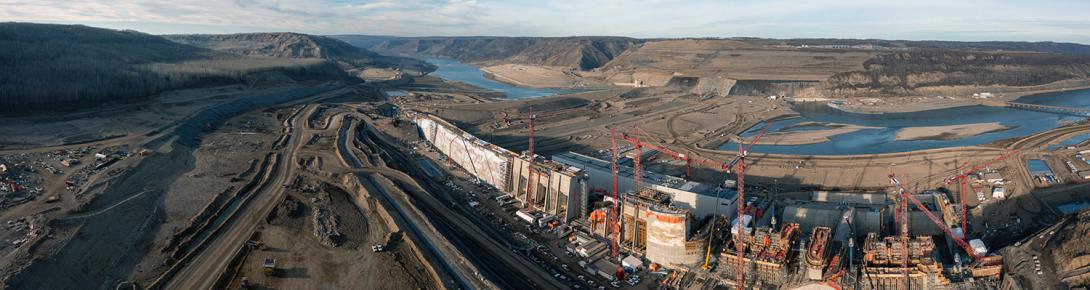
(476,238)
(118,237)
(213,260)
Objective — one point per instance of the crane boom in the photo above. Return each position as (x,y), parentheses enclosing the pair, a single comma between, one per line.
(738,161)
(938,222)
(981,166)
(743,152)
(507,117)
(963,177)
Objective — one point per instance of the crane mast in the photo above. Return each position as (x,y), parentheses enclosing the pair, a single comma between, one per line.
(962,179)
(530,186)
(739,241)
(908,197)
(616,202)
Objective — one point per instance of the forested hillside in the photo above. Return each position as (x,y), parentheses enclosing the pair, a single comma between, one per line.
(49,66)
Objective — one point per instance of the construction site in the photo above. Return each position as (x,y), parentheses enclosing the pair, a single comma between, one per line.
(666,169)
(631,194)
(607,188)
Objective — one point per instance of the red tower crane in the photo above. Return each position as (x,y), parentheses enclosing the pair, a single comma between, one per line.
(637,169)
(962,179)
(508,119)
(902,218)
(530,186)
(739,240)
(739,243)
(738,161)
(742,153)
(977,259)
(688,158)
(637,178)
(616,202)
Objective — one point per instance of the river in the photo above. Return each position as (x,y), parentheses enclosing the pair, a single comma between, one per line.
(882,139)
(453,70)
(866,141)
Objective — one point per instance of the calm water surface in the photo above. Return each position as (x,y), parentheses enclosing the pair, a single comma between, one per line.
(866,141)
(453,70)
(881,140)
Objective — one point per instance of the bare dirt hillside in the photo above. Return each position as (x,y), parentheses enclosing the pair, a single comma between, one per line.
(290,45)
(294,45)
(48,66)
(753,66)
(735,59)
(1072,253)
(582,53)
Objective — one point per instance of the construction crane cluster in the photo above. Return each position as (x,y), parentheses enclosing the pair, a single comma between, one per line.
(981,266)
(737,165)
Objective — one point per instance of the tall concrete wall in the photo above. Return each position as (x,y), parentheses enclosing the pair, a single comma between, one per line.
(487,162)
(865,219)
(701,205)
(851,197)
(698,198)
(560,191)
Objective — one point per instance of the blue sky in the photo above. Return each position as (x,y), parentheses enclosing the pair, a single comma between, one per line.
(1058,20)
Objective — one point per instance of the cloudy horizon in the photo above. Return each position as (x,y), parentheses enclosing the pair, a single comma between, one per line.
(973,20)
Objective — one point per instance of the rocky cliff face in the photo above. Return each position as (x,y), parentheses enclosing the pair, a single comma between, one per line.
(906,72)
(584,53)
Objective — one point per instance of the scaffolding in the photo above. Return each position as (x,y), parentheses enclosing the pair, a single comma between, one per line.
(882,260)
(767,255)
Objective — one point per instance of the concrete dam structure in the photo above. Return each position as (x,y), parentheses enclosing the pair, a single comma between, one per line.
(559,191)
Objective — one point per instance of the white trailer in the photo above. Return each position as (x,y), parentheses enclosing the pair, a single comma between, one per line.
(527,216)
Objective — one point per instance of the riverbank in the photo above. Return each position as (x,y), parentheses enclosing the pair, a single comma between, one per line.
(452,70)
(924,103)
(543,77)
(952,132)
(804,137)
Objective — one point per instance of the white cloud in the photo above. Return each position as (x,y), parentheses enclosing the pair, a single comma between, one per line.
(1062,20)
